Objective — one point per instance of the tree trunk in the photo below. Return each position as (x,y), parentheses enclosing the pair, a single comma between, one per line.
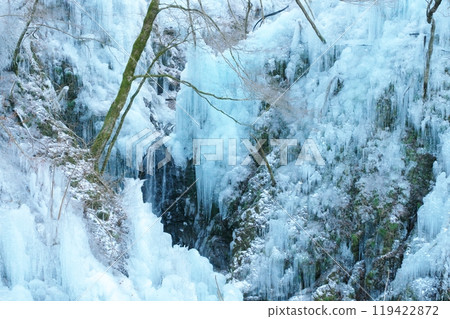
(130,103)
(432,9)
(15,63)
(113,114)
(426,77)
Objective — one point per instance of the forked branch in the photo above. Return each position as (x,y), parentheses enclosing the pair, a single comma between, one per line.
(311,22)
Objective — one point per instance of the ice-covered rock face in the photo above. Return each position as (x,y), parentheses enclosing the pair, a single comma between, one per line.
(358,98)
(45,255)
(43,258)
(46,248)
(424,271)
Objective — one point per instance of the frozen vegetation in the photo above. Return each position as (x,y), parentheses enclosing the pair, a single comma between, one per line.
(367,219)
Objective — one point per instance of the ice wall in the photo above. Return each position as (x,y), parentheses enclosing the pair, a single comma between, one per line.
(93,39)
(427,262)
(382,49)
(160,271)
(367,79)
(197,119)
(43,257)
(45,250)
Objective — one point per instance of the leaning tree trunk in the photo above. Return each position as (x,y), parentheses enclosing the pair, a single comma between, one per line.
(113,114)
(15,62)
(426,77)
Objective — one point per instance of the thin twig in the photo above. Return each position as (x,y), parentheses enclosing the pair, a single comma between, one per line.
(217,97)
(386,287)
(51,192)
(311,22)
(14,140)
(247,14)
(64,197)
(327,95)
(219,293)
(263,155)
(191,22)
(309,8)
(68,34)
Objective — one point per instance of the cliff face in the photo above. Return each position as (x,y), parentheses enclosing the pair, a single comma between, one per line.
(346,196)
(345,228)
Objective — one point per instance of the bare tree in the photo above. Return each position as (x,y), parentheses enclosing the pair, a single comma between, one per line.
(130,103)
(105,140)
(431,9)
(118,104)
(113,117)
(15,57)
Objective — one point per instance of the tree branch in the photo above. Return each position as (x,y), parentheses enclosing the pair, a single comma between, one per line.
(432,10)
(426,76)
(189,84)
(191,22)
(133,97)
(14,62)
(201,13)
(114,111)
(68,34)
(313,25)
(263,155)
(201,93)
(247,14)
(260,21)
